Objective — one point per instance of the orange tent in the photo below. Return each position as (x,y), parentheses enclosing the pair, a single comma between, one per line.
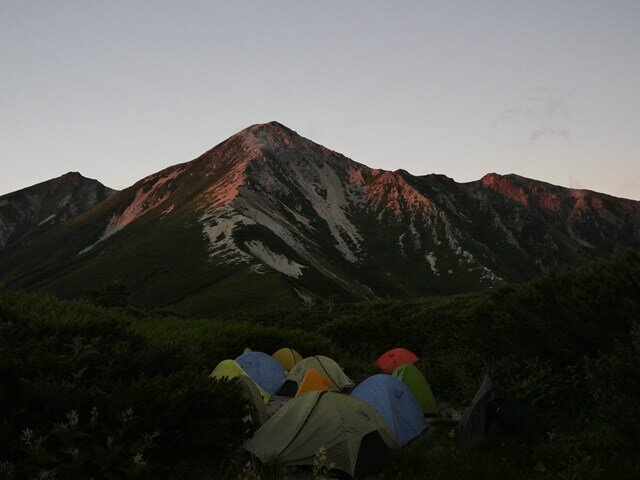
(313,381)
(287,357)
(389,361)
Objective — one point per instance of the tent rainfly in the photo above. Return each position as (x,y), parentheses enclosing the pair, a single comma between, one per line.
(325,366)
(230,369)
(313,381)
(352,433)
(287,357)
(395,403)
(389,361)
(413,378)
(263,369)
(496,416)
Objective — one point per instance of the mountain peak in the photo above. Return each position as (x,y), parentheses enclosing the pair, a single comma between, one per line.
(272,128)
(269,134)
(54,201)
(74,178)
(273,124)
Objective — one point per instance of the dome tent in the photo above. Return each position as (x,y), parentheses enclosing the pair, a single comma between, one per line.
(263,369)
(351,431)
(325,366)
(287,357)
(230,369)
(496,416)
(413,378)
(313,381)
(392,359)
(395,403)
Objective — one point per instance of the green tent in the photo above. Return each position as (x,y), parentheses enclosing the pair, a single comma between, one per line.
(413,378)
(325,366)
(230,369)
(353,435)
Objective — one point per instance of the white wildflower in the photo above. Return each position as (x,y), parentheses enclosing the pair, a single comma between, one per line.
(138,460)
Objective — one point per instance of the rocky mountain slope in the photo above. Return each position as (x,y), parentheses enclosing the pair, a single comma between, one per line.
(269,217)
(49,203)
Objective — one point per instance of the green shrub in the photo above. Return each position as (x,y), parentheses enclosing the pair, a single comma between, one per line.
(65,360)
(567,344)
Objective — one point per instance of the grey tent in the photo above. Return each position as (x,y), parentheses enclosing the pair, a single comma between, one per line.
(325,366)
(351,432)
(497,417)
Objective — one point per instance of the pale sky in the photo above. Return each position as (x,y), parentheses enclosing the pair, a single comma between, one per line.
(118,90)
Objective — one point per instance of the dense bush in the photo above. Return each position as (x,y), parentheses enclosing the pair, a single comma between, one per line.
(81,394)
(122,393)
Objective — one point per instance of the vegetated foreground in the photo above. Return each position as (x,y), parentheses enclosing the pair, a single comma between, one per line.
(123,393)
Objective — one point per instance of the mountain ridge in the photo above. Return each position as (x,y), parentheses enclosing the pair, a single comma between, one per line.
(274,215)
(47,203)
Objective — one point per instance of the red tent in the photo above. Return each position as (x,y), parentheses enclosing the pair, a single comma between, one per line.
(389,361)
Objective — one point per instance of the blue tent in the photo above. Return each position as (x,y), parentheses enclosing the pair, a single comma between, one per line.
(263,369)
(395,403)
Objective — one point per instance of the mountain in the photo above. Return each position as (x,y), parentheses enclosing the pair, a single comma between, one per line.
(36,208)
(268,217)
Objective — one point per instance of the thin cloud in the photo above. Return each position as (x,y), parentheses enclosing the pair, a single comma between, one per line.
(548,132)
(545,113)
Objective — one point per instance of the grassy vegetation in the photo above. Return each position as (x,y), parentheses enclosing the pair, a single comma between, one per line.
(125,392)
(82,394)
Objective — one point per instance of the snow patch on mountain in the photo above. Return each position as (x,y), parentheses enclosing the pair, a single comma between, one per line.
(574,236)
(432,260)
(219,229)
(260,212)
(449,234)
(417,241)
(488,275)
(300,237)
(50,217)
(497,222)
(274,260)
(467,256)
(316,179)
(65,201)
(299,217)
(306,298)
(267,197)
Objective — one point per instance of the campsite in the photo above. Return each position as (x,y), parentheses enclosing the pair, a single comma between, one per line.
(319,240)
(124,383)
(311,410)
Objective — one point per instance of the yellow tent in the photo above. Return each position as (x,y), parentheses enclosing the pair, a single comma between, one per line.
(230,369)
(287,357)
(313,381)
